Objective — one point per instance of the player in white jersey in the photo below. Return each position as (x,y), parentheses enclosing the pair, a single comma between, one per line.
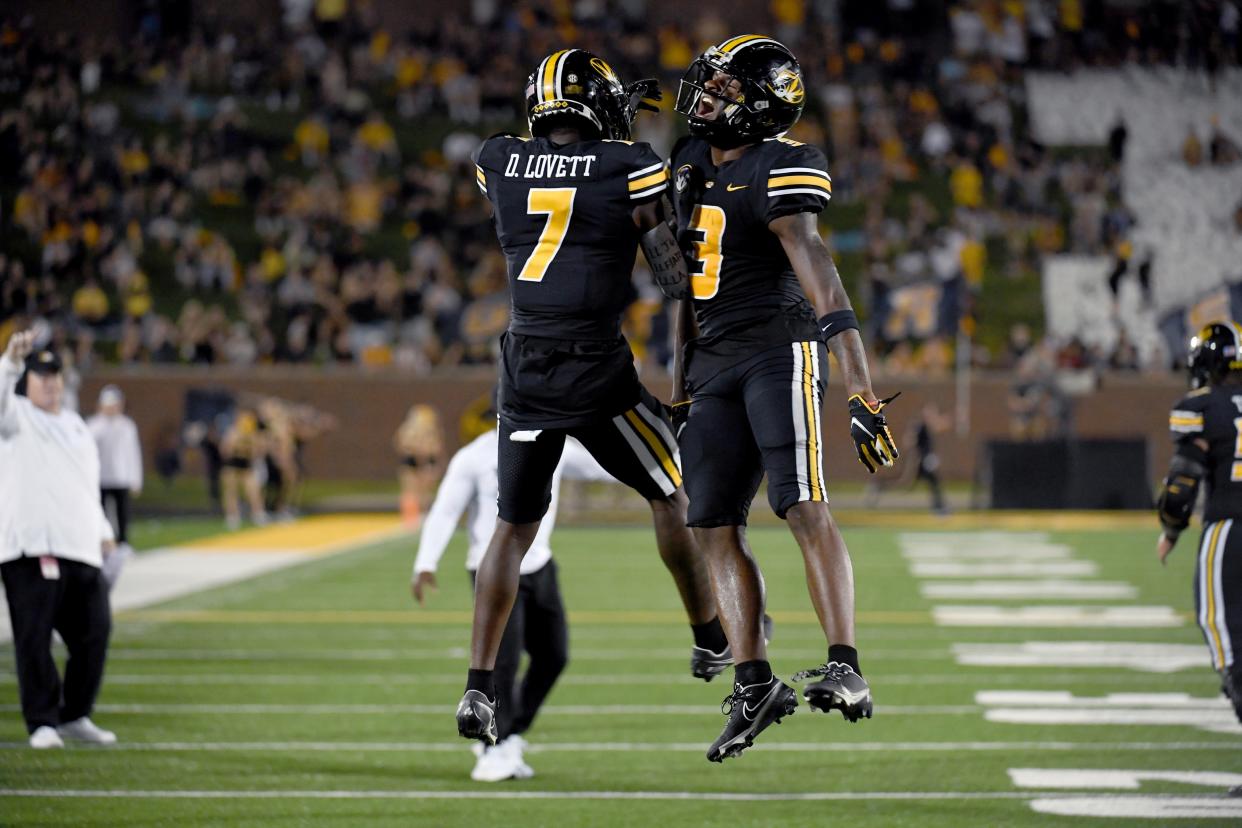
(537,624)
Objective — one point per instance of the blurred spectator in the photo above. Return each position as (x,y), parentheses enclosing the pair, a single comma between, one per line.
(1222,150)
(120,471)
(1117,140)
(1192,149)
(275,188)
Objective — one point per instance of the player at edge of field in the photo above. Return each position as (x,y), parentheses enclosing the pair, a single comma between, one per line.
(766,300)
(538,623)
(1205,429)
(571,205)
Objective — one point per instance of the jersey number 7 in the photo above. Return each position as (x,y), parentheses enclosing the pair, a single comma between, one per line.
(708,224)
(557,203)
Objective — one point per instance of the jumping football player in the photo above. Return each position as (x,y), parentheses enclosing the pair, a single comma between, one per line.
(571,205)
(1205,428)
(766,300)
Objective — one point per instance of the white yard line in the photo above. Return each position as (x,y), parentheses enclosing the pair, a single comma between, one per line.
(403,679)
(1144,806)
(445,710)
(730,796)
(397,654)
(1076,616)
(966,568)
(659,747)
(1132,655)
(1043,589)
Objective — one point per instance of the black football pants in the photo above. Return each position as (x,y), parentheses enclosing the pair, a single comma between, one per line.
(74,605)
(1218,590)
(120,500)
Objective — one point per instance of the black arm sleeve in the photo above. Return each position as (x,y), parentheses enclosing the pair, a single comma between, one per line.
(1181,488)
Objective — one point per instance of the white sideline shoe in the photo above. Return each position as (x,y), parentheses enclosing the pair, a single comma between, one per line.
(495,765)
(515,745)
(46,737)
(84,730)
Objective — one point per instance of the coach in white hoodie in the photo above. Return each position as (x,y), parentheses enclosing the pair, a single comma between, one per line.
(53,537)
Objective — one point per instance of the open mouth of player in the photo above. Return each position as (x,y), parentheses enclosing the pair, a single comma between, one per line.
(708,107)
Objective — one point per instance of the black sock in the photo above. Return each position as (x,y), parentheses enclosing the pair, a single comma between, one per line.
(710,635)
(844,654)
(752,672)
(481,680)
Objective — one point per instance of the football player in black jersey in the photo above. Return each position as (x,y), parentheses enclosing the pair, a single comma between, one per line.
(1207,429)
(571,205)
(767,299)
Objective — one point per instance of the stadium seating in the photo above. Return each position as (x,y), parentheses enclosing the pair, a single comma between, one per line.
(1184,214)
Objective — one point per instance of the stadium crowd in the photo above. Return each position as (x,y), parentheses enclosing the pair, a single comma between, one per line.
(191,194)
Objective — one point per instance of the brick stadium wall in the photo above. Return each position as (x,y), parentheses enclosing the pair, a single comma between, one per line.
(369,407)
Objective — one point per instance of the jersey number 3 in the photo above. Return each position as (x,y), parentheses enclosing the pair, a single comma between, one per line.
(1235,473)
(708,224)
(557,203)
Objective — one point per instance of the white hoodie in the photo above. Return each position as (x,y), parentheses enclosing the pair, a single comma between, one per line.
(49,481)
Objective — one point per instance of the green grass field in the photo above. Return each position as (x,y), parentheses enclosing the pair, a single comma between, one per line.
(322,695)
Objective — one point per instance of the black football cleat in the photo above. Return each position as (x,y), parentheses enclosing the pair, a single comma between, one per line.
(839,689)
(706,665)
(476,717)
(1231,688)
(751,710)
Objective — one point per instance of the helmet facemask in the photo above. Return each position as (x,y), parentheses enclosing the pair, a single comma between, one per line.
(762,97)
(730,127)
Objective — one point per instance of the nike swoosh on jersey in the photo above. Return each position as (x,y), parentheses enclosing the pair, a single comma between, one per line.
(735,187)
(854,422)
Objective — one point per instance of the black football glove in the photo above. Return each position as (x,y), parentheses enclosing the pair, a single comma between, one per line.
(644,94)
(678,413)
(869,428)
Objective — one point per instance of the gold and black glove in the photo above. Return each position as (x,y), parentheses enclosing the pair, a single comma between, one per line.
(678,413)
(869,428)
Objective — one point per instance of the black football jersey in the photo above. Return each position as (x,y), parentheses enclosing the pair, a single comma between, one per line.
(746,295)
(564,217)
(1215,416)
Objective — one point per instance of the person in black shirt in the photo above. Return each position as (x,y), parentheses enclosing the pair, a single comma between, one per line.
(1206,426)
(571,205)
(931,423)
(766,301)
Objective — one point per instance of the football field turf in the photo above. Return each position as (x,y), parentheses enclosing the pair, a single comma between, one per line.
(321,695)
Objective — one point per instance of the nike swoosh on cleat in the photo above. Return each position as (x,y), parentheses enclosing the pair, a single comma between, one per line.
(854,422)
(852,698)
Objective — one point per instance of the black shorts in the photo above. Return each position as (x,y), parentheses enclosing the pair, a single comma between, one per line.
(1218,590)
(635,445)
(241,463)
(761,415)
(557,383)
